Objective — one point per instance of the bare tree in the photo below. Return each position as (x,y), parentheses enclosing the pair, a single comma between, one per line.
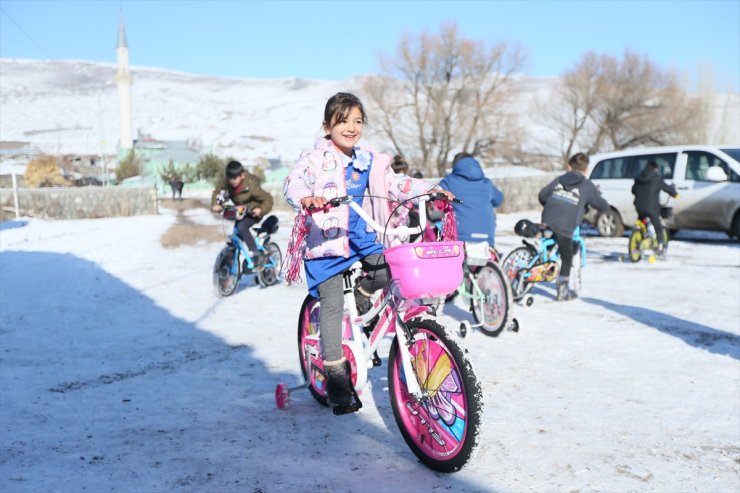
(441,93)
(605,104)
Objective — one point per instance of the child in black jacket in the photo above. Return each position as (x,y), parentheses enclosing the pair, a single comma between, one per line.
(565,200)
(646,190)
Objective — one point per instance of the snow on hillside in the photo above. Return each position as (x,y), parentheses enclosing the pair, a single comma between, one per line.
(71,107)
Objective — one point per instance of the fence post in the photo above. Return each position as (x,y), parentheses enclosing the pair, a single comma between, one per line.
(15,196)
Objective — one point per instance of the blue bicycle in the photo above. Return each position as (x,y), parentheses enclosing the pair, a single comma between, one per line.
(234,260)
(540,261)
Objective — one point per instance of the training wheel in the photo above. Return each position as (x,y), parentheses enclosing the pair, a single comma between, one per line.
(515,325)
(529,300)
(282,396)
(651,259)
(464,327)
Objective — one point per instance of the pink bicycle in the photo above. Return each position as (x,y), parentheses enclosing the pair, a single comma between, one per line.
(434,392)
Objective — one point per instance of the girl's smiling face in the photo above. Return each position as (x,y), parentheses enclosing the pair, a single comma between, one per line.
(346,132)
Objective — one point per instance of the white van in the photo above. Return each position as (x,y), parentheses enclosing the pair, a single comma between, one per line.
(707,179)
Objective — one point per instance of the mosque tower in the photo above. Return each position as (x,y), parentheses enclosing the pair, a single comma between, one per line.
(123,81)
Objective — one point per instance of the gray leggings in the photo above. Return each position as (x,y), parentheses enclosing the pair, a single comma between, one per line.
(331,296)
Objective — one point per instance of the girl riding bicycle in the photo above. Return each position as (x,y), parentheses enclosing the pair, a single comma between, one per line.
(338,237)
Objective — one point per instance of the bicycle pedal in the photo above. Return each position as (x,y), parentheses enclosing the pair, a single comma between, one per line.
(376,359)
(355,406)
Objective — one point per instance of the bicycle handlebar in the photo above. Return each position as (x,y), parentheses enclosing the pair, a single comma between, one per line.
(401,230)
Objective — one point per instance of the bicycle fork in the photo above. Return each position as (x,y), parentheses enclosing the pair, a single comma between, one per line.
(412,382)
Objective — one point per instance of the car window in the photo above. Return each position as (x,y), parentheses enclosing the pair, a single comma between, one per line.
(698,162)
(610,168)
(666,164)
(733,152)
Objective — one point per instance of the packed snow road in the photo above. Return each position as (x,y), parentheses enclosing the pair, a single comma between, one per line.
(121,370)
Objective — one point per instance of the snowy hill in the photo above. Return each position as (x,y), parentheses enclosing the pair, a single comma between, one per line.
(72,107)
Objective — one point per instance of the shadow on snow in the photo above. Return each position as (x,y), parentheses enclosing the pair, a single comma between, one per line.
(692,333)
(103,389)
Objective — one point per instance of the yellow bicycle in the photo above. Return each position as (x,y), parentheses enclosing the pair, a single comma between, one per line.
(644,241)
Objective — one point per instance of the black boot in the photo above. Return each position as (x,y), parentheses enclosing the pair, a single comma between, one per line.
(362,301)
(340,394)
(564,292)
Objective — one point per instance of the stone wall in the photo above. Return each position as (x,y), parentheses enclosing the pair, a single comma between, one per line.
(520,192)
(81,202)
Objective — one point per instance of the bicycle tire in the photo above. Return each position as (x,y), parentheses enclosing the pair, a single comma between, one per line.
(516,260)
(494,313)
(223,280)
(309,341)
(634,247)
(269,276)
(576,271)
(666,240)
(443,429)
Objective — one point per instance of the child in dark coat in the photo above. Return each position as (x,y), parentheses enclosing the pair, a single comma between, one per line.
(243,188)
(565,200)
(646,190)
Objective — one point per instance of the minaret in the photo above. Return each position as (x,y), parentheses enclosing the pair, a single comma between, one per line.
(123,80)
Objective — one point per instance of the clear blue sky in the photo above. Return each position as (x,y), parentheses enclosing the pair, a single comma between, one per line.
(337,39)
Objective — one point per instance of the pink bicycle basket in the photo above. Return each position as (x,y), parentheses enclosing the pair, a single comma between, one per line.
(427,269)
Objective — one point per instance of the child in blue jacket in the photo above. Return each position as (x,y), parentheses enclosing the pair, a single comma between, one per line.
(476,219)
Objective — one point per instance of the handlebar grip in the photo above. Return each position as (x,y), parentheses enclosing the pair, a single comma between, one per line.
(441,196)
(335,202)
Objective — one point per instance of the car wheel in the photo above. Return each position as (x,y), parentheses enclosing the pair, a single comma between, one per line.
(609,224)
(735,231)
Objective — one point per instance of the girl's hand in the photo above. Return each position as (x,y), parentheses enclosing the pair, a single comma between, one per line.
(216,208)
(450,196)
(316,202)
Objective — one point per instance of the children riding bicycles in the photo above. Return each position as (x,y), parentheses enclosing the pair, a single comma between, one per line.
(646,190)
(243,188)
(338,237)
(565,200)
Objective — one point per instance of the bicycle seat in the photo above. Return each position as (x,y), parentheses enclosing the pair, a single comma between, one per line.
(526,228)
(269,226)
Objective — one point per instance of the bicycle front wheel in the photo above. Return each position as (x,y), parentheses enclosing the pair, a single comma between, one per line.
(493,311)
(224,280)
(269,275)
(517,260)
(635,245)
(443,428)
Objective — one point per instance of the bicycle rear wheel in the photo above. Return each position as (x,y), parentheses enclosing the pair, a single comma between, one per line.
(576,271)
(635,245)
(442,429)
(309,349)
(517,260)
(269,275)
(493,312)
(224,280)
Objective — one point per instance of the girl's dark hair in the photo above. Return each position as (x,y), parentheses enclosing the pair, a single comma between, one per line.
(338,107)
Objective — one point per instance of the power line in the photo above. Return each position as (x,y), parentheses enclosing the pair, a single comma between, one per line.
(43,50)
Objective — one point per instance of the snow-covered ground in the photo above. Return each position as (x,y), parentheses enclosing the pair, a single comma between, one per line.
(120,370)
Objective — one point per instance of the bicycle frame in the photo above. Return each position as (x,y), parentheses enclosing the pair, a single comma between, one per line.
(391,309)
(548,251)
(259,239)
